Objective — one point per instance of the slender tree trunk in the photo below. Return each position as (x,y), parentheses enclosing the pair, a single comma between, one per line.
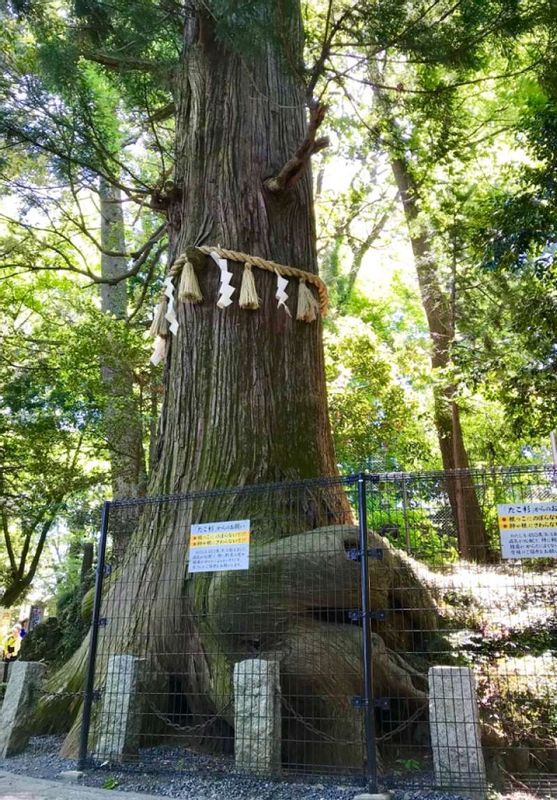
(122,419)
(472,535)
(467,514)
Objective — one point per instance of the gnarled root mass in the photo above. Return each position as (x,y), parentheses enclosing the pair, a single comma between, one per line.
(294,605)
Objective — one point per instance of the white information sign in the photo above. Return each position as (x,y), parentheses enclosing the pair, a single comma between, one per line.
(219,546)
(528,530)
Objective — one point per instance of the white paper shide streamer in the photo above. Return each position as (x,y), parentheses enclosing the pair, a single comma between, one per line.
(165,319)
(281,294)
(164,324)
(159,351)
(171,310)
(225,289)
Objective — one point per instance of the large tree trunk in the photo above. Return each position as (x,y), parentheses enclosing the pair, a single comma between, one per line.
(245,403)
(467,514)
(122,419)
(245,391)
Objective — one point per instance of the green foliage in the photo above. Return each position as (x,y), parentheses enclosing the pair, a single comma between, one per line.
(413,529)
(441,34)
(509,341)
(520,224)
(66,127)
(43,643)
(405,765)
(521,715)
(50,417)
(56,639)
(375,422)
(73,628)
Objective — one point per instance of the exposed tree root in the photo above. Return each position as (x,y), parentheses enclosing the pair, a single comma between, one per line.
(293,604)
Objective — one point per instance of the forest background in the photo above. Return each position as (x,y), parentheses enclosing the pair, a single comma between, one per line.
(435,188)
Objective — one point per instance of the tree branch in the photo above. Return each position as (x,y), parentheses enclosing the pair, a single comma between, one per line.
(121,63)
(147,282)
(163,113)
(139,256)
(295,167)
(25,579)
(331,29)
(7,540)
(360,254)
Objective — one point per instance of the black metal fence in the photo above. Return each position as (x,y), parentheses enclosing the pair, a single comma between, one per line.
(297,628)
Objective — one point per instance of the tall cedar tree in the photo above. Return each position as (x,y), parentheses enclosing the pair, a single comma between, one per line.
(245,403)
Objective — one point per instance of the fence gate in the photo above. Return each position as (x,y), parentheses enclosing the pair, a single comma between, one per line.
(298,629)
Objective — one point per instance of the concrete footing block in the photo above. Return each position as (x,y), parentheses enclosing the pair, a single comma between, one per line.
(119,718)
(72,776)
(374,796)
(18,709)
(455,732)
(257,715)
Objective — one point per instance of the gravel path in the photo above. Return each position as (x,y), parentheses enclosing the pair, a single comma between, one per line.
(177,773)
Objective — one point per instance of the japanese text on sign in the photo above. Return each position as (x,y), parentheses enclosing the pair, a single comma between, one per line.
(219,546)
(528,530)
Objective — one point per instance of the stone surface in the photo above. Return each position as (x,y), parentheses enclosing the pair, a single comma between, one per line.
(119,716)
(455,731)
(21,787)
(257,717)
(18,708)
(375,796)
(72,775)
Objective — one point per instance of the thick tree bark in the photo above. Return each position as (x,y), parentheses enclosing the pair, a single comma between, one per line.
(261,372)
(468,517)
(122,419)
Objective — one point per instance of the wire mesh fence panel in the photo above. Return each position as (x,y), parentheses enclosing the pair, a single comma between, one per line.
(227,635)
(479,640)
(230,633)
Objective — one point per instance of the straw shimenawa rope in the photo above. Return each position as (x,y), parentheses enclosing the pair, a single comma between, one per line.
(260,263)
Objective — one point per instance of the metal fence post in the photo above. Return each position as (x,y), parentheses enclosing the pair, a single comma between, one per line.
(405,512)
(92,657)
(369,706)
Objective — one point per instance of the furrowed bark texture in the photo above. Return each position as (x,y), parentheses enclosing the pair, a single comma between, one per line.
(245,399)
